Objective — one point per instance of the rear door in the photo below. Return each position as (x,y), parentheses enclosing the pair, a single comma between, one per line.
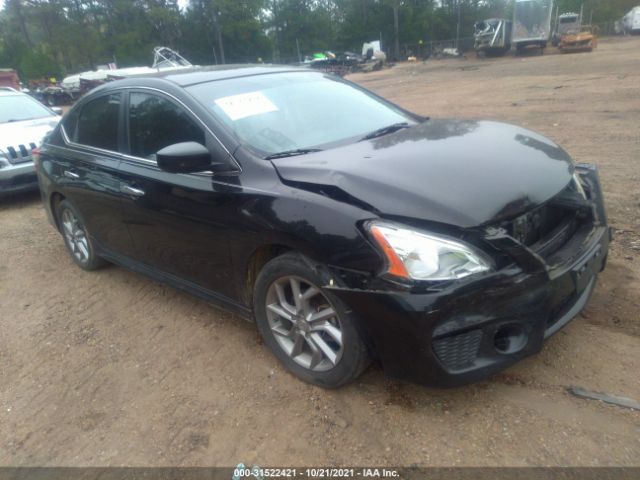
(87,169)
(177,221)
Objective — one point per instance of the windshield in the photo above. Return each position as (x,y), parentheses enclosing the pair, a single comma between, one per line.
(14,108)
(295,111)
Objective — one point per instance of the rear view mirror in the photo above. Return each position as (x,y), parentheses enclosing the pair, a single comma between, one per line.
(185,157)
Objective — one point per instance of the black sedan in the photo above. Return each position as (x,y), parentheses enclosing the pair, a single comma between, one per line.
(349,229)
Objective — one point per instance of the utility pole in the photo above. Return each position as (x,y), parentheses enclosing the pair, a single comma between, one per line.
(216,25)
(276,37)
(298,50)
(396,7)
(458,27)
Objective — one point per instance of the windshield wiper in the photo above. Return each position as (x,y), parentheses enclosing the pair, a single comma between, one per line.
(292,153)
(385,130)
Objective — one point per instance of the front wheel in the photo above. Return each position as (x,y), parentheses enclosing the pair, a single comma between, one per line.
(307,328)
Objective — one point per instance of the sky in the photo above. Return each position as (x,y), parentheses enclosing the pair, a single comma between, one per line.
(182,3)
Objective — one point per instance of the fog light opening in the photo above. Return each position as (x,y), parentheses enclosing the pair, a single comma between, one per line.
(510,339)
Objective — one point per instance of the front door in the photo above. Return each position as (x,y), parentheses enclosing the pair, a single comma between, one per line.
(177,221)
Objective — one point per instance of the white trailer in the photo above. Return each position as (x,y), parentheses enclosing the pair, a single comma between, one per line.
(531,24)
(631,21)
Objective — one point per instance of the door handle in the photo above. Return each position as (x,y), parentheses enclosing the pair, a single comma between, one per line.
(71,175)
(129,190)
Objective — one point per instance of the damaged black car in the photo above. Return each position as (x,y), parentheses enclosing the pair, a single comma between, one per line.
(348,228)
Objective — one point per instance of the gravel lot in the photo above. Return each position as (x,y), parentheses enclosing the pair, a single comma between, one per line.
(111,368)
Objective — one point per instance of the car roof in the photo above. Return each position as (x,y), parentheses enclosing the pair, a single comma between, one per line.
(185,77)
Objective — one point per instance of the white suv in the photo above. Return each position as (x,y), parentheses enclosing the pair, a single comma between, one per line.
(23,124)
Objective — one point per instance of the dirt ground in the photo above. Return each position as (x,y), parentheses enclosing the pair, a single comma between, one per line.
(111,368)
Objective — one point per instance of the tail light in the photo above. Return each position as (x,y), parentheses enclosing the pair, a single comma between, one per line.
(35,156)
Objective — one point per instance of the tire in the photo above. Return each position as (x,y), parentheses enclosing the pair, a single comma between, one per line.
(328,351)
(76,238)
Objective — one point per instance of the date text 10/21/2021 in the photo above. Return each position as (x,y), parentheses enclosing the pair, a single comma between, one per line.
(261,473)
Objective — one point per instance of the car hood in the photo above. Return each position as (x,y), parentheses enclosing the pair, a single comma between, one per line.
(462,173)
(25,132)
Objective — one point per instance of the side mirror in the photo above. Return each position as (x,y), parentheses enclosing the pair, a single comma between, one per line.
(56,110)
(185,157)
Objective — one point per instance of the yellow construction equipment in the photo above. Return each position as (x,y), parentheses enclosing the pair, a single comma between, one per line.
(572,36)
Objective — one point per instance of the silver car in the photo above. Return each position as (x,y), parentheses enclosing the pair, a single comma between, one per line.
(23,124)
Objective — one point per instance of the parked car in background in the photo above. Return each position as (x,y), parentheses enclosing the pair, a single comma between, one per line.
(23,124)
(346,226)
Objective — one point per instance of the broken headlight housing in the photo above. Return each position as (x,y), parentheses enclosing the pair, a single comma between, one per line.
(416,255)
(578,185)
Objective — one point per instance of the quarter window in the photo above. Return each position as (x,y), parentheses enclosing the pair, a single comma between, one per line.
(155,123)
(98,123)
(70,124)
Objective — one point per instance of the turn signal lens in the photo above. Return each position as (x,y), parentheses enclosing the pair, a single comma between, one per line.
(396,267)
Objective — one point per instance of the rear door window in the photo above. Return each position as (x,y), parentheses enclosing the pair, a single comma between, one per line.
(156,122)
(98,123)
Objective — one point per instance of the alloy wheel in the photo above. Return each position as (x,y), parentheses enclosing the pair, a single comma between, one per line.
(75,236)
(304,323)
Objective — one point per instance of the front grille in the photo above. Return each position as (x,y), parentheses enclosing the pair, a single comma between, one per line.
(535,225)
(549,227)
(20,153)
(458,352)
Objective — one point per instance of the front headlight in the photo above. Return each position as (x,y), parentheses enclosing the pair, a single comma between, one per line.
(420,256)
(4,161)
(578,185)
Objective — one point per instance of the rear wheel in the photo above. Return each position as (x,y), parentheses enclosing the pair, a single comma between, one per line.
(76,238)
(306,327)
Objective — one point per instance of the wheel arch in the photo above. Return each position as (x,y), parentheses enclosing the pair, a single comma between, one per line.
(256,261)
(55,199)
(253,263)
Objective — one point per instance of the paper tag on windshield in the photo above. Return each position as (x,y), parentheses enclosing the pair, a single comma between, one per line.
(246,105)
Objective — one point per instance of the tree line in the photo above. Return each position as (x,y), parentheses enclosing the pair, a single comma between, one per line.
(51,38)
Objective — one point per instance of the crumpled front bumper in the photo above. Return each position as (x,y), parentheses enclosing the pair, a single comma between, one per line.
(475,328)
